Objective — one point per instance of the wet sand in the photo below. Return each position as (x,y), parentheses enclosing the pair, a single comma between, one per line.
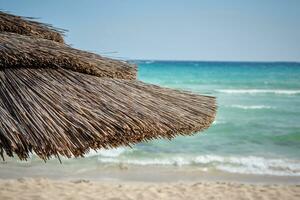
(130,173)
(93,181)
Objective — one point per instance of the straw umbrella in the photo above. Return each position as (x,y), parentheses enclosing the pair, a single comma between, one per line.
(57,100)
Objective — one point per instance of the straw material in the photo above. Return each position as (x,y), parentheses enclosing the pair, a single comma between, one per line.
(26,51)
(25,26)
(62,112)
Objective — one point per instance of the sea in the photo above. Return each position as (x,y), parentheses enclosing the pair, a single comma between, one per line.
(256,130)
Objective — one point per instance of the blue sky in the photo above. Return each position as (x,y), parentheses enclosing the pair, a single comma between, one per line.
(248,30)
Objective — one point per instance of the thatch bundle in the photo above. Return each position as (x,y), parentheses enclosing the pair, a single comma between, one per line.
(49,105)
(26,51)
(25,26)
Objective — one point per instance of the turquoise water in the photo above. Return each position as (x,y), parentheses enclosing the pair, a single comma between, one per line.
(257,129)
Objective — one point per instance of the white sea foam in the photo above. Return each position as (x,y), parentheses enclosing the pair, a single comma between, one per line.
(252,107)
(243,165)
(176,161)
(258,91)
(106,153)
(258,165)
(149,61)
(219,122)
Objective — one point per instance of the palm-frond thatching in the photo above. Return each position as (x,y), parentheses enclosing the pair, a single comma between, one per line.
(26,51)
(25,26)
(56,100)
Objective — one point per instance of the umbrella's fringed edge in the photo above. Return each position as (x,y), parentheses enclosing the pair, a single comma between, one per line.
(19,51)
(60,112)
(25,26)
(1,153)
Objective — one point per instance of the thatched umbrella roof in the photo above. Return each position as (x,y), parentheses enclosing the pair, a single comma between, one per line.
(58,111)
(56,100)
(25,26)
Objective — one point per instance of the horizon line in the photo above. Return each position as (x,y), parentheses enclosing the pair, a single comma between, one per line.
(223,61)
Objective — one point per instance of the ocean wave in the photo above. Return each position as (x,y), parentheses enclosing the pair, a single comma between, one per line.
(253,165)
(242,165)
(258,91)
(149,61)
(107,153)
(252,107)
(219,122)
(176,161)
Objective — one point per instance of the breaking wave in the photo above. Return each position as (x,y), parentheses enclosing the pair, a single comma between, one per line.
(258,91)
(252,107)
(107,153)
(241,165)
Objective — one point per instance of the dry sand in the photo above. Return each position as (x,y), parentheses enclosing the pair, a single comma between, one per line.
(41,188)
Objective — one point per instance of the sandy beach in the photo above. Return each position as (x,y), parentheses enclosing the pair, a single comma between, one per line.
(42,188)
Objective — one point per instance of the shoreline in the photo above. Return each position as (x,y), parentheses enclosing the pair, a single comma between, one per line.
(134,173)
